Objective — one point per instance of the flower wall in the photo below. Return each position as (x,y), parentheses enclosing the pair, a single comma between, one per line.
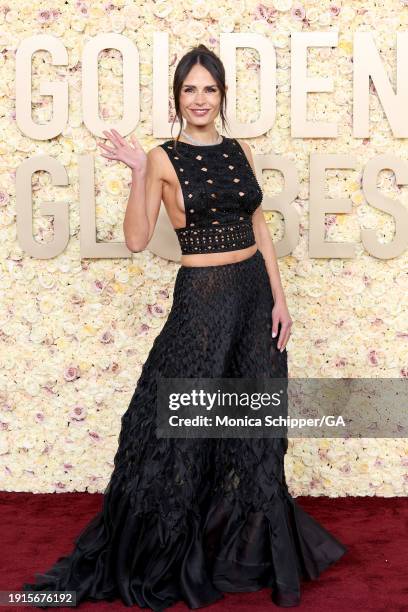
(75,333)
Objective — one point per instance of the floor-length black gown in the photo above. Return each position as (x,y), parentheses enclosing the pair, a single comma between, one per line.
(189,519)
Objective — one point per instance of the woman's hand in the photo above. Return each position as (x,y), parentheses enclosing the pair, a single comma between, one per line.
(133,156)
(280,314)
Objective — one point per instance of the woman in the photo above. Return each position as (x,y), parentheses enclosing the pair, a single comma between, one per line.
(187,519)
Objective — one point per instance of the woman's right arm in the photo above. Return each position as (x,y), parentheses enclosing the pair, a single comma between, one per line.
(144,203)
(145,195)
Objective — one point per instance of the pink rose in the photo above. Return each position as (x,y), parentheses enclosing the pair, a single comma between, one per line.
(298,12)
(45,16)
(107,337)
(373,357)
(71,373)
(78,413)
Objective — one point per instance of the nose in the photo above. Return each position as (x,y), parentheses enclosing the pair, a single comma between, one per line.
(200,96)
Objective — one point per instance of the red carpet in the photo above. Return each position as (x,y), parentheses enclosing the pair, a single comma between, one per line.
(373,575)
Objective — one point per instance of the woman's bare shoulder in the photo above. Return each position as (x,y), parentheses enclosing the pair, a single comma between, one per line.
(156,152)
(157,160)
(246,147)
(248,152)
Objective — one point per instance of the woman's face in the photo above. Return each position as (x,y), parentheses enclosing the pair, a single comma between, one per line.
(200,97)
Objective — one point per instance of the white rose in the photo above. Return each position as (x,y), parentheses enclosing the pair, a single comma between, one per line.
(117,22)
(77,23)
(226,24)
(122,276)
(162,8)
(200,9)
(324,19)
(282,5)
(280,39)
(31,387)
(347,13)
(312,14)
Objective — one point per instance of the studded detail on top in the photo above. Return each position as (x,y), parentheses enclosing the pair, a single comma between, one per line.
(220,192)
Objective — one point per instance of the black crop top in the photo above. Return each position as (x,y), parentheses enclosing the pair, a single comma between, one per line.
(220,192)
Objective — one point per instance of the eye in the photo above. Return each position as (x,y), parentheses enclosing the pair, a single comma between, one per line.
(209,89)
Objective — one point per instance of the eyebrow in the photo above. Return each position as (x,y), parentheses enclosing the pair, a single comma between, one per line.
(189,85)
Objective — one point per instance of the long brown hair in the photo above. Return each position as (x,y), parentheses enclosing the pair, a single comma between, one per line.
(209,60)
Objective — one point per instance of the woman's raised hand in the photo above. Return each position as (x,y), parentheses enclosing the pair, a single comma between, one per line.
(133,156)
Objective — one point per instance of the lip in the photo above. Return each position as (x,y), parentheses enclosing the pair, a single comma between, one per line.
(201,110)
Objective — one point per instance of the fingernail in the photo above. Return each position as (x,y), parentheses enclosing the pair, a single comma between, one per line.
(273,334)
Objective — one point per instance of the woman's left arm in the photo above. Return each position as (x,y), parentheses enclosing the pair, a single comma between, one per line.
(280,312)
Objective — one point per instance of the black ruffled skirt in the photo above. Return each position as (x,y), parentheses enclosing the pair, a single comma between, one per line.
(186,519)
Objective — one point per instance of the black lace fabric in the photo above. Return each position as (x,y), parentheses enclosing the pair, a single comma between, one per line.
(217,238)
(189,519)
(220,194)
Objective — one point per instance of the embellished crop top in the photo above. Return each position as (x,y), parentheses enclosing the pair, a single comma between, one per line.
(220,193)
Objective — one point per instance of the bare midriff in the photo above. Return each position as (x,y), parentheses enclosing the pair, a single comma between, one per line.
(217,259)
